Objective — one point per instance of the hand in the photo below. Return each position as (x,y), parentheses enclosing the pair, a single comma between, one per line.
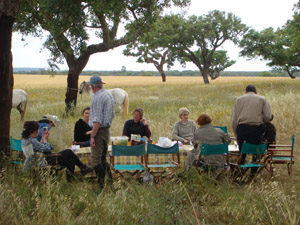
(88,132)
(143,120)
(185,141)
(92,142)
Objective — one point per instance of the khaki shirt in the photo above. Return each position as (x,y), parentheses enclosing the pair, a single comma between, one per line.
(250,109)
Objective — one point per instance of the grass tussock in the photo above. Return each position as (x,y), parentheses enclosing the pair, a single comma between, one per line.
(189,199)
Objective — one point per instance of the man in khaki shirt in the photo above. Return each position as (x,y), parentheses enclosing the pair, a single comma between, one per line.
(249,114)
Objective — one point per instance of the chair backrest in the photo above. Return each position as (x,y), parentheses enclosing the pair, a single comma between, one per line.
(214,149)
(15,144)
(293,141)
(121,150)
(254,149)
(155,149)
(223,128)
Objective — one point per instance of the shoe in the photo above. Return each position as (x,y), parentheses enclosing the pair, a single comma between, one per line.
(86,170)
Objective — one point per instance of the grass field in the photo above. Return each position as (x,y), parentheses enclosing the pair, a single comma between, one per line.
(192,199)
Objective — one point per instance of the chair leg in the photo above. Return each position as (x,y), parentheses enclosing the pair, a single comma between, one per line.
(289,167)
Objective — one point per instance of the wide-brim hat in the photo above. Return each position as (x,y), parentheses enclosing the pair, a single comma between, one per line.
(51,118)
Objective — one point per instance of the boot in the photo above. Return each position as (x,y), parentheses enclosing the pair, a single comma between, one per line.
(69,175)
(108,171)
(100,172)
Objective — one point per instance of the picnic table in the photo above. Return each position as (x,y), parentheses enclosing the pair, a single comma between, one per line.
(84,154)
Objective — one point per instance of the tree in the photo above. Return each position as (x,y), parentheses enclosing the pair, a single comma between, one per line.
(68,23)
(208,33)
(153,46)
(280,47)
(8,13)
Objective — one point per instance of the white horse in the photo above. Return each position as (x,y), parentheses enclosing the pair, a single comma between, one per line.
(120,96)
(19,101)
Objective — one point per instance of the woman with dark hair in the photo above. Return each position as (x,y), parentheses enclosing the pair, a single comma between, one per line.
(31,146)
(82,130)
(208,134)
(137,125)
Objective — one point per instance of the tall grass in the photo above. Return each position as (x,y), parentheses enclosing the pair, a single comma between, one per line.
(189,199)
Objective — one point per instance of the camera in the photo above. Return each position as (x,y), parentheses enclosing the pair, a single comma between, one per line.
(45,130)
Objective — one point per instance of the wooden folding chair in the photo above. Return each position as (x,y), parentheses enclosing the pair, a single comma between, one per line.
(158,170)
(121,150)
(240,170)
(220,149)
(281,154)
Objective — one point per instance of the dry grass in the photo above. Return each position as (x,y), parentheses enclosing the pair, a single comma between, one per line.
(192,198)
(60,81)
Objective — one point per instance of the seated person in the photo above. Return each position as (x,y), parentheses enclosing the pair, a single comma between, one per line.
(67,158)
(208,134)
(184,129)
(270,132)
(82,130)
(137,125)
(46,123)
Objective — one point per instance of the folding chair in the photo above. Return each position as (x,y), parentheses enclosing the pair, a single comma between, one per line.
(257,151)
(121,150)
(161,168)
(281,154)
(223,128)
(16,152)
(219,149)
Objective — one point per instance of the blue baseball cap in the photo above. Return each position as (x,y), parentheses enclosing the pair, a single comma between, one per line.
(96,80)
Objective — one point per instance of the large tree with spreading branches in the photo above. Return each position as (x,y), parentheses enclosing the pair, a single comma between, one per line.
(207,33)
(70,22)
(280,47)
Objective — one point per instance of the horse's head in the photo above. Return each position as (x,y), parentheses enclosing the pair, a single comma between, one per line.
(82,86)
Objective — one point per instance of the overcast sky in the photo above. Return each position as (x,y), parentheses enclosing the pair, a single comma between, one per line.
(258,14)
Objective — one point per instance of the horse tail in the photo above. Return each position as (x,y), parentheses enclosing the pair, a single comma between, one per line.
(125,104)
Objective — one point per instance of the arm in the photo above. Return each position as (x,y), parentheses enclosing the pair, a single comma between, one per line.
(175,133)
(267,114)
(234,119)
(125,129)
(147,131)
(95,129)
(41,147)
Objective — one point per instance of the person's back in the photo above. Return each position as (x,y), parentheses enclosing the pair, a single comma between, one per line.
(208,134)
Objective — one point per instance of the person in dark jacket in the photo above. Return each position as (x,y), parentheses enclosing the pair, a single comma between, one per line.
(82,130)
(270,132)
(137,125)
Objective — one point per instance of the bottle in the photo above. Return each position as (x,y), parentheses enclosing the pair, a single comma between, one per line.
(116,141)
(129,143)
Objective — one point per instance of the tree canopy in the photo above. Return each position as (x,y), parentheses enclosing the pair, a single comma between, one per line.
(70,23)
(153,46)
(207,33)
(280,47)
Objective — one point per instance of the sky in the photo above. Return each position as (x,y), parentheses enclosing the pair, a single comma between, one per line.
(257,14)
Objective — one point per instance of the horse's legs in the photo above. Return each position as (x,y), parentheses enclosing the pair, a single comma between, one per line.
(120,109)
(21,110)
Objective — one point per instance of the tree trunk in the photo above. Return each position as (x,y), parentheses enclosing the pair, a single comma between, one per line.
(6,82)
(72,90)
(204,72)
(162,73)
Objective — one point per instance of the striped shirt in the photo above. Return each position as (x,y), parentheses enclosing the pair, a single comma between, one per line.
(102,110)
